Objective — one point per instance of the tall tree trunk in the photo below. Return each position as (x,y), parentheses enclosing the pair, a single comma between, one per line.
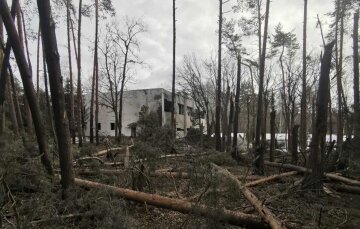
(259,148)
(96,72)
(79,90)
(16,104)
(303,123)
(338,57)
(231,118)
(23,40)
(173,121)
(38,64)
(11,108)
(294,145)
(356,120)
(272,127)
(237,103)
(218,85)
(72,113)
(122,93)
(225,120)
(2,110)
(92,103)
(57,93)
(47,98)
(313,181)
(27,83)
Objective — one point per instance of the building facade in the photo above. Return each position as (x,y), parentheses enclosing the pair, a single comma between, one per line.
(156,99)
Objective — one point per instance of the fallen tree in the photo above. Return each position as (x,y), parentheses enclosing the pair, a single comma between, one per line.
(222,215)
(264,212)
(270,178)
(331,176)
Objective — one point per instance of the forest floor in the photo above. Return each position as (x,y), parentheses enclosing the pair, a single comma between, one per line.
(30,199)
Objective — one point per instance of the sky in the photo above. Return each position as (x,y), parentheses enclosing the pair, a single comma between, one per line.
(197,23)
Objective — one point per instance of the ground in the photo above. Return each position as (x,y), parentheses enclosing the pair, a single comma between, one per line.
(31,199)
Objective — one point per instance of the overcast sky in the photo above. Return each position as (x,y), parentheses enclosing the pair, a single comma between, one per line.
(196,32)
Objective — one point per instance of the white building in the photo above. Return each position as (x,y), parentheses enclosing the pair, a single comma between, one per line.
(156,99)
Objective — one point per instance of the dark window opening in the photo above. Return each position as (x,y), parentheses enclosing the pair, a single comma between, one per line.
(133,131)
(167,105)
(189,111)
(181,109)
(99,126)
(112,126)
(179,129)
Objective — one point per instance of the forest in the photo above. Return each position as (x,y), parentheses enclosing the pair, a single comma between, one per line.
(213,114)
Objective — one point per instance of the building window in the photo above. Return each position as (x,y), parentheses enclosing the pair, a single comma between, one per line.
(167,105)
(181,109)
(189,111)
(112,126)
(179,129)
(99,126)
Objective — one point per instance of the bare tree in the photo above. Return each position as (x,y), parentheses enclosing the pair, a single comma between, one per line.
(127,42)
(259,151)
(356,75)
(173,121)
(303,123)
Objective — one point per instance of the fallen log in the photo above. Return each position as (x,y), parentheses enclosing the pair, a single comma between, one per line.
(168,156)
(264,212)
(331,176)
(79,161)
(105,151)
(344,188)
(222,215)
(164,173)
(270,178)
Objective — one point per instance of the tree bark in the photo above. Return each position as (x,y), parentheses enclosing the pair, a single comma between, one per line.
(225,124)
(71,102)
(218,84)
(272,127)
(294,145)
(96,62)
(237,103)
(303,123)
(21,33)
(79,90)
(57,93)
(316,158)
(259,148)
(264,212)
(231,119)
(173,121)
(356,120)
(222,215)
(27,83)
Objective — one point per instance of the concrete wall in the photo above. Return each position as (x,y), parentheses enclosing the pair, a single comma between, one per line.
(132,103)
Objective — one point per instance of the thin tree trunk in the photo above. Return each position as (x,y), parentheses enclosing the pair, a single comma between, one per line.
(314,180)
(225,119)
(47,97)
(79,90)
(23,39)
(96,72)
(27,83)
(294,145)
(237,103)
(11,108)
(272,127)
(173,121)
(57,93)
(303,123)
(92,103)
(218,91)
(356,120)
(72,113)
(38,64)
(231,119)
(259,148)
